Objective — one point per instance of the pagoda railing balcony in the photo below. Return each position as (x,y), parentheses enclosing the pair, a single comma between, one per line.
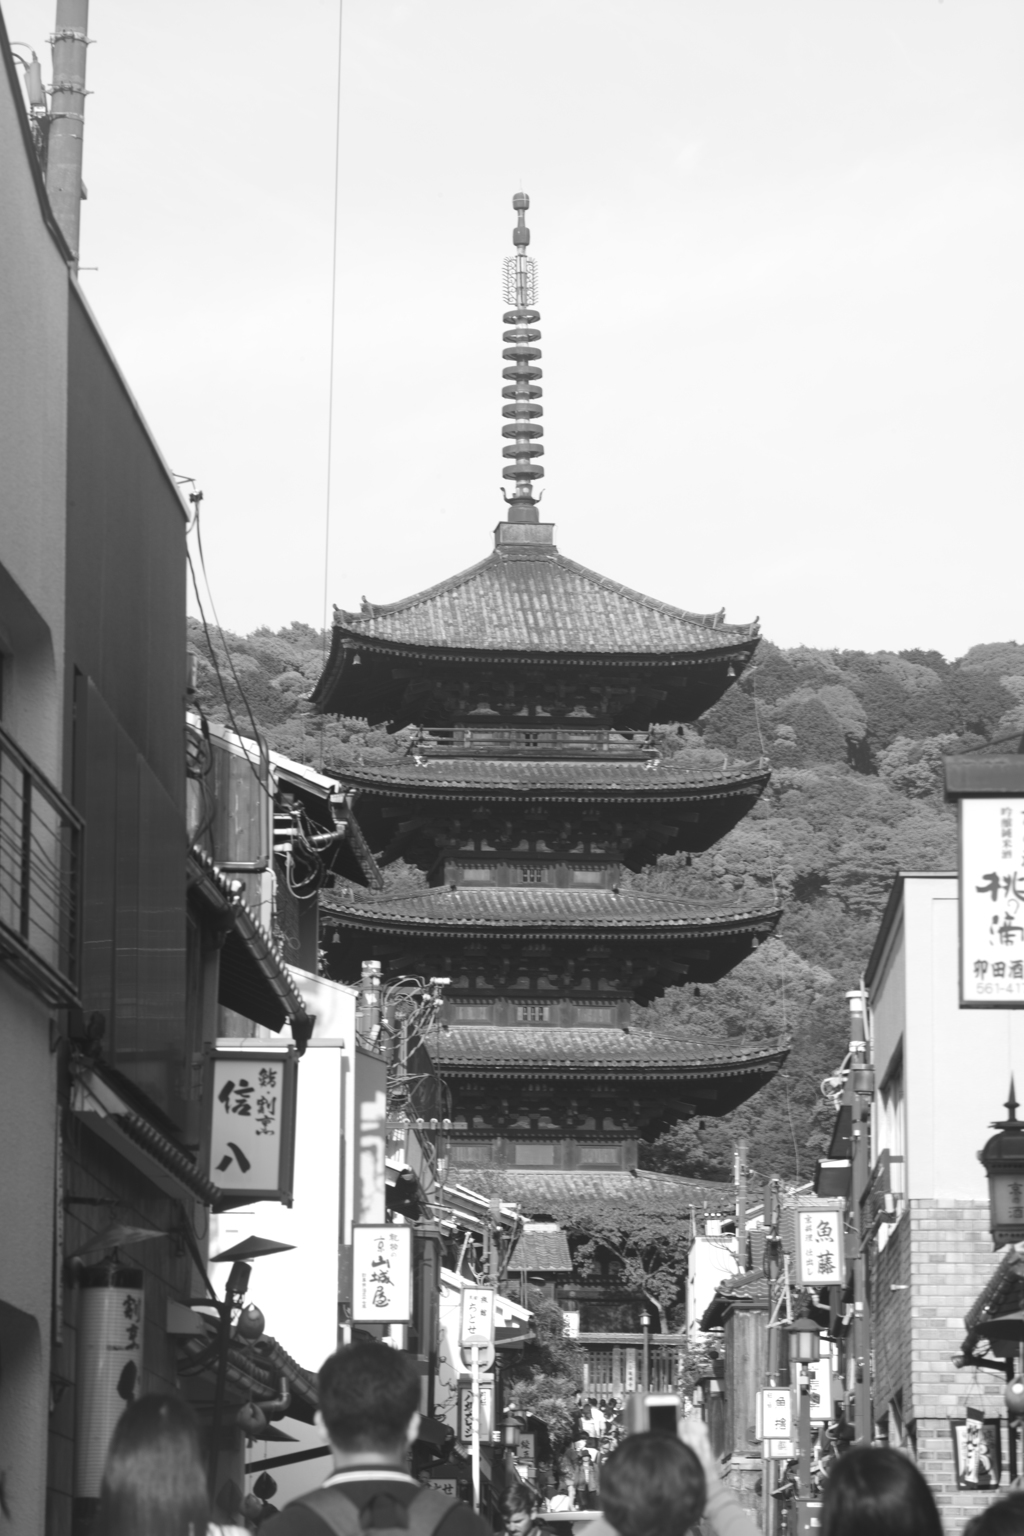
(530,741)
(40,852)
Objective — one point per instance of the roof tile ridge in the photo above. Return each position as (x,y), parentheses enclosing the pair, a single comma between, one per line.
(381,610)
(704,620)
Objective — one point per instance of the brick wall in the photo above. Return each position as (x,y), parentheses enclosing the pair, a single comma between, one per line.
(941,1250)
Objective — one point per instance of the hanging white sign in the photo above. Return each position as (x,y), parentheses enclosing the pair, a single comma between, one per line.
(381,1274)
(774,1414)
(477,1321)
(992,901)
(820,1247)
(466,1413)
(250,1123)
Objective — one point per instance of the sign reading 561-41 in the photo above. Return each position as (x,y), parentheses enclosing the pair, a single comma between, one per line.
(992,901)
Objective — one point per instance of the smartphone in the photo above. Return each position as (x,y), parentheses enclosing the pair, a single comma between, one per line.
(655,1412)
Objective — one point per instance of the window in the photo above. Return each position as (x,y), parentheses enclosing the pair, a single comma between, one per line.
(599,1015)
(535,1154)
(531,738)
(532,1013)
(532,874)
(478,876)
(470,1154)
(605,1157)
(587,876)
(472,1013)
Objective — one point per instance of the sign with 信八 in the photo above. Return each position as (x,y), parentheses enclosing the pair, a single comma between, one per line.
(991,901)
(381,1274)
(249,1132)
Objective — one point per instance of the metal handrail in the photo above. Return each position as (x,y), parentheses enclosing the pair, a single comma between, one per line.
(40,873)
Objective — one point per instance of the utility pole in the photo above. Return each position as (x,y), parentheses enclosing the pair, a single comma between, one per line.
(740,1173)
(771,1267)
(857,1093)
(67,119)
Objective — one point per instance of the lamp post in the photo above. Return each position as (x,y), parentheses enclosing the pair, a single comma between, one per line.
(645,1324)
(1003,1160)
(804,1340)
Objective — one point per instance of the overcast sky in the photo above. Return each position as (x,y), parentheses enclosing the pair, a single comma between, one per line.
(781,252)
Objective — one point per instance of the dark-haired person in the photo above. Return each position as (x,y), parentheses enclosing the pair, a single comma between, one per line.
(872,1488)
(656,1485)
(519,1507)
(1003,1518)
(369,1413)
(154,1481)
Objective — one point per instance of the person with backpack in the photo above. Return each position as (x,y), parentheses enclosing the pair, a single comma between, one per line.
(369,1399)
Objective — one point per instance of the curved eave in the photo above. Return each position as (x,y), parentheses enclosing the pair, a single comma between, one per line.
(754,923)
(618,1071)
(595,793)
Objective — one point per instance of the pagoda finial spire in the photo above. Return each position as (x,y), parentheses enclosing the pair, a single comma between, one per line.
(522,426)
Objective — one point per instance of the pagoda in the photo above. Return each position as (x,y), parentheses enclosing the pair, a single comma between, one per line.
(531,784)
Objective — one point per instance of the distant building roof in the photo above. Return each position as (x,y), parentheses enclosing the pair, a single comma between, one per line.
(542,1248)
(749,1290)
(520,1050)
(541,1190)
(666,777)
(536,599)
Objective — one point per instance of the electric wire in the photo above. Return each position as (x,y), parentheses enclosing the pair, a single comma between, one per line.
(260,743)
(216,667)
(330,366)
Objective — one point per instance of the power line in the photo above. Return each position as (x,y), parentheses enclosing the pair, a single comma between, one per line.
(330,382)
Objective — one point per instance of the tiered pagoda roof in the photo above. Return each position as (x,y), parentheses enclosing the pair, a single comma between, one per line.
(715,1080)
(539,1192)
(529,601)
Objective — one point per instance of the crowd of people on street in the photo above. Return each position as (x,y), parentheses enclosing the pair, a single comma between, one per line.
(651,1484)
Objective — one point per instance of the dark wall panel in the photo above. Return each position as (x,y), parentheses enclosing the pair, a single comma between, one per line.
(125,560)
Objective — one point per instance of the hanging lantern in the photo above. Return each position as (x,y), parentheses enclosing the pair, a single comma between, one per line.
(108,1365)
(1003,1161)
(804,1338)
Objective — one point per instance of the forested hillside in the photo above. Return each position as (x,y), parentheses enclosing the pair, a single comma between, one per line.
(856,742)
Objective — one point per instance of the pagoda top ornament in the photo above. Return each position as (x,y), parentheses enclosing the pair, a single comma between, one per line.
(522,429)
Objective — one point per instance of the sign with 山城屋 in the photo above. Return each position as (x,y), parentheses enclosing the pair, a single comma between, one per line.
(992,901)
(819,1247)
(249,1098)
(381,1274)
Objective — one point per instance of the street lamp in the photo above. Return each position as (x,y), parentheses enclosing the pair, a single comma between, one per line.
(645,1324)
(804,1341)
(1003,1160)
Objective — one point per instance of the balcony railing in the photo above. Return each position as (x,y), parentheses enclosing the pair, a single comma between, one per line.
(529,741)
(40,853)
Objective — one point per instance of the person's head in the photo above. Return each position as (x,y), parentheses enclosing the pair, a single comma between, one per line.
(876,1489)
(651,1485)
(369,1399)
(1003,1518)
(154,1480)
(518,1506)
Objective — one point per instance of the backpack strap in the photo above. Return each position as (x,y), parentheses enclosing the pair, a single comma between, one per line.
(426,1510)
(335,1510)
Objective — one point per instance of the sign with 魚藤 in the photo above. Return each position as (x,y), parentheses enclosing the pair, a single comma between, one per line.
(382,1274)
(819,1247)
(992,901)
(249,1102)
(477,1320)
(774,1414)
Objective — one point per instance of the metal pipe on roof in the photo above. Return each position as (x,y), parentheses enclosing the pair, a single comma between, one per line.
(67,120)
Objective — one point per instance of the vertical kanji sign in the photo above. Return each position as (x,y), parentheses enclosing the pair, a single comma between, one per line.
(477,1322)
(774,1414)
(992,901)
(381,1274)
(249,1102)
(819,1247)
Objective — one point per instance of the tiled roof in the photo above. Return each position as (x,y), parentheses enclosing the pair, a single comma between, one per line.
(529,600)
(542,910)
(751,1288)
(541,1249)
(537,779)
(540,1190)
(521,1049)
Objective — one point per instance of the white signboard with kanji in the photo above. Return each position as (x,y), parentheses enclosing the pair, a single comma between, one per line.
(780,1450)
(466,1413)
(992,901)
(250,1123)
(477,1321)
(774,1414)
(819,1374)
(382,1274)
(819,1247)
